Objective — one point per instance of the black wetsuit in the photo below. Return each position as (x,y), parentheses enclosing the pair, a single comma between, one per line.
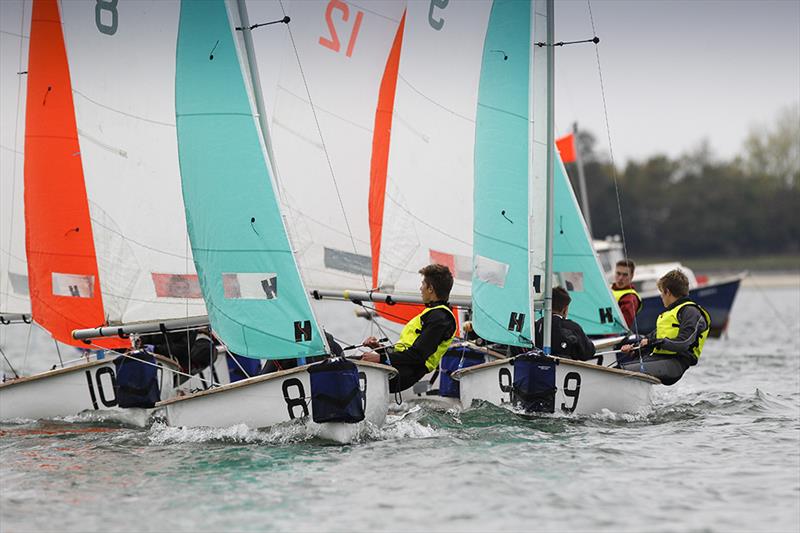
(567,339)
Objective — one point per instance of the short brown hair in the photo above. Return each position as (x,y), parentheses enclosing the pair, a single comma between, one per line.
(440,278)
(627,263)
(561,298)
(675,282)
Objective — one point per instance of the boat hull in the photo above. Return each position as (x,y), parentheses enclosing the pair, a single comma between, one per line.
(267,400)
(716,298)
(581,388)
(69,391)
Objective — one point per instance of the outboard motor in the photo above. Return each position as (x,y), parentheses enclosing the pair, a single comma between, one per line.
(535,382)
(335,392)
(137,380)
(454,359)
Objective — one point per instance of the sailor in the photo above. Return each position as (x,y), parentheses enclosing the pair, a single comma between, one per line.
(426,337)
(678,339)
(568,338)
(630,303)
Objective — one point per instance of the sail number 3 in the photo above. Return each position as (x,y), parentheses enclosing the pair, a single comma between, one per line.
(333,43)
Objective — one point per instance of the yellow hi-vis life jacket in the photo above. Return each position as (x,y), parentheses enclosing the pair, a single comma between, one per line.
(412,330)
(668,326)
(622,292)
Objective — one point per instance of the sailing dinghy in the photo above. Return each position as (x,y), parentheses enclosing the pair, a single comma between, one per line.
(251,284)
(514,227)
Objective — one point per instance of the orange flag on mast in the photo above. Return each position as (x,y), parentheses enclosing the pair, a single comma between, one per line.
(566,147)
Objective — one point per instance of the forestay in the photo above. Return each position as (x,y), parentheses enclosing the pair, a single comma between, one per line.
(247,271)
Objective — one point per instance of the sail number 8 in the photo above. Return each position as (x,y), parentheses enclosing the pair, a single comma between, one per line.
(106,17)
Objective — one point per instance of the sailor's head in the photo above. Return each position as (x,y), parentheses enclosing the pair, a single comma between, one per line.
(561,301)
(672,286)
(437,281)
(623,272)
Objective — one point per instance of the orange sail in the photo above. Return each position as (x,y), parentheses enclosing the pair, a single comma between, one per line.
(62,267)
(381,139)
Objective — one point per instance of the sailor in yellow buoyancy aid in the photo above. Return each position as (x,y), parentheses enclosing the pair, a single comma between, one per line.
(425,338)
(677,342)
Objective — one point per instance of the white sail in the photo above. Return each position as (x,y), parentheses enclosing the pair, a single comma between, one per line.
(15,20)
(122,66)
(322,153)
(428,204)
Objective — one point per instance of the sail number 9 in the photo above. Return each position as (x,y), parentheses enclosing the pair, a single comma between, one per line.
(109,7)
(333,43)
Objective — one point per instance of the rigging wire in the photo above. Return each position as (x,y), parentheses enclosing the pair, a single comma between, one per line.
(16,153)
(322,140)
(614,175)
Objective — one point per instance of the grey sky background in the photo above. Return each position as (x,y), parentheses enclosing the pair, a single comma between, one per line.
(676,72)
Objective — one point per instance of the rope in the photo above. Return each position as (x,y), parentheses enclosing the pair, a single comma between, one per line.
(8,362)
(16,154)
(611,150)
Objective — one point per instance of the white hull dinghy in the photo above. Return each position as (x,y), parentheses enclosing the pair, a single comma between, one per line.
(270,399)
(87,386)
(547,384)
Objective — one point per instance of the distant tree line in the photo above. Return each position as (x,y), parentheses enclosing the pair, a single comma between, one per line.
(696,206)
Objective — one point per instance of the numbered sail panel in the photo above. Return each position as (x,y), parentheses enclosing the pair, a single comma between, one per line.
(323,151)
(122,66)
(59,236)
(576,266)
(501,288)
(239,243)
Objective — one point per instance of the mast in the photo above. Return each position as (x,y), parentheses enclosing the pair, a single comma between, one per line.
(551,142)
(582,181)
(255,81)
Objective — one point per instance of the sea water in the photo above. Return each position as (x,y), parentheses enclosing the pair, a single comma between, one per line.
(719,451)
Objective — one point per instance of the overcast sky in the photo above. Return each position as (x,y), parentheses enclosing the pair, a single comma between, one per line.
(677,72)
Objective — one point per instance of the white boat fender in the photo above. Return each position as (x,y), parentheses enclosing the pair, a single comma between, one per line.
(534,385)
(136,382)
(336,391)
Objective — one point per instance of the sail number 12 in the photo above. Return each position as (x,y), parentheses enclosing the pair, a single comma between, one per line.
(333,43)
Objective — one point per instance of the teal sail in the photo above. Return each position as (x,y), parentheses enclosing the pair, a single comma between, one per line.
(250,281)
(575,265)
(500,287)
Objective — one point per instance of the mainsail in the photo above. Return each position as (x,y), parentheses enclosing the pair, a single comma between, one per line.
(122,66)
(248,275)
(321,76)
(63,276)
